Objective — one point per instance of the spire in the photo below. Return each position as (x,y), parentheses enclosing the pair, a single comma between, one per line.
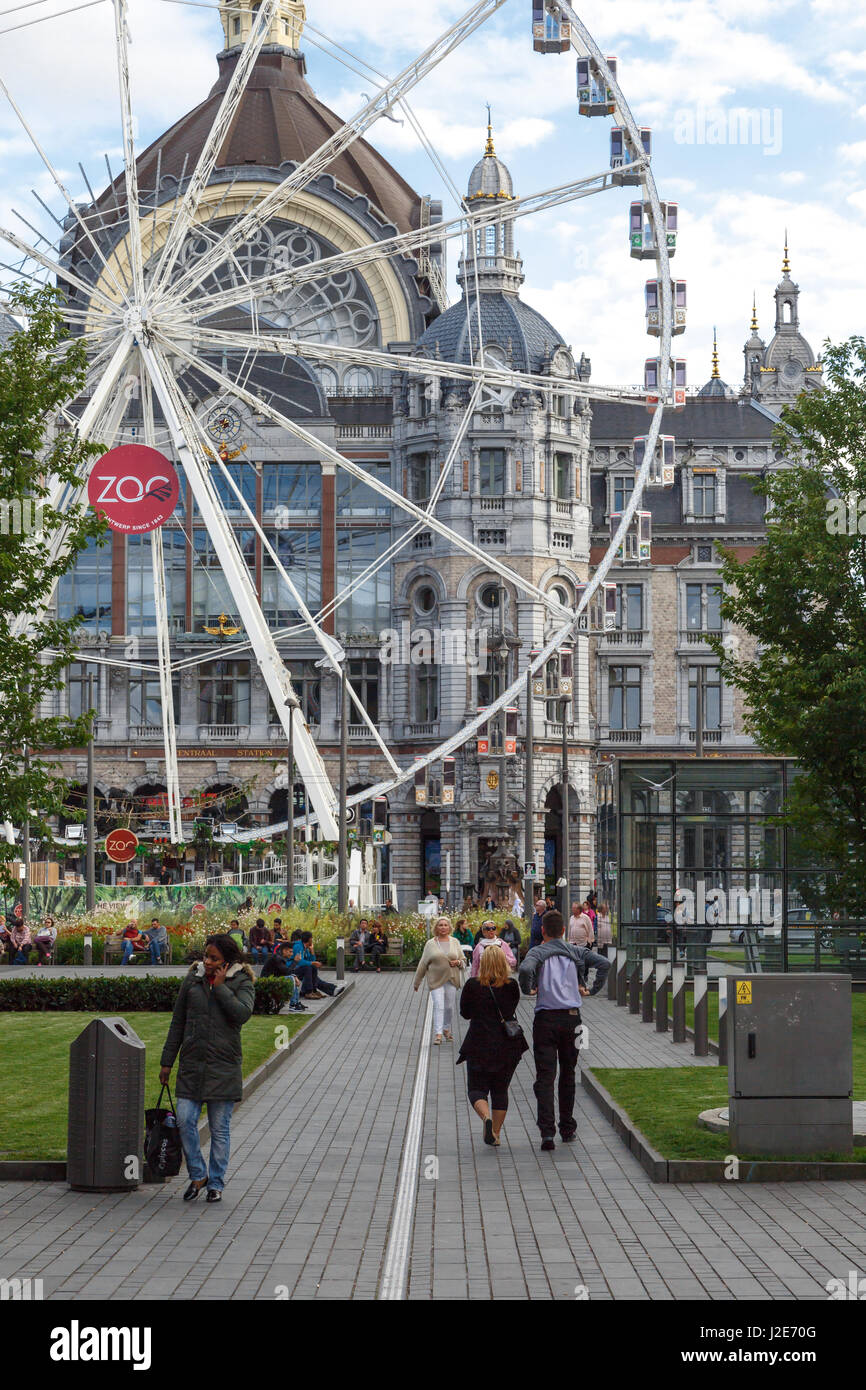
(786,266)
(715,372)
(488,148)
(754,314)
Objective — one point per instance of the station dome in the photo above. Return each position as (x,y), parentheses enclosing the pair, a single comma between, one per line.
(524,335)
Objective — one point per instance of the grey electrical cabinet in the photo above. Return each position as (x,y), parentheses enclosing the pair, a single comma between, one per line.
(790,1067)
(106,1108)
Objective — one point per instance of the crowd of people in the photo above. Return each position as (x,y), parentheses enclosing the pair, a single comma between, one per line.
(18,940)
(554,970)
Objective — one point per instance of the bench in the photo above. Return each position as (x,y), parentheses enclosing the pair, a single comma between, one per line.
(114,951)
(851,951)
(394,949)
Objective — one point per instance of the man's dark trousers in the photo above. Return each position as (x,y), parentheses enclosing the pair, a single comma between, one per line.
(553,1041)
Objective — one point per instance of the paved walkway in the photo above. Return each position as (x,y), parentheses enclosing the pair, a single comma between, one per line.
(316,1163)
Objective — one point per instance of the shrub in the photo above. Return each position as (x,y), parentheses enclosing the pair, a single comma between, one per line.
(117,994)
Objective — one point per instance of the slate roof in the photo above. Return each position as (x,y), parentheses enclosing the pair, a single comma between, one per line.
(705,418)
(505,320)
(8,326)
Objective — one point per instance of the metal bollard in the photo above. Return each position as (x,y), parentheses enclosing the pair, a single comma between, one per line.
(611,975)
(622,979)
(634,989)
(701,1015)
(341,958)
(662,991)
(646,990)
(678,974)
(723,1020)
(88,949)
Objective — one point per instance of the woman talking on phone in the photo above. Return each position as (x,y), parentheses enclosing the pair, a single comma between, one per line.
(215,1001)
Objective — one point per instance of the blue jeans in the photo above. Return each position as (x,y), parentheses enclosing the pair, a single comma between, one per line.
(128,949)
(156,952)
(219,1113)
(259,954)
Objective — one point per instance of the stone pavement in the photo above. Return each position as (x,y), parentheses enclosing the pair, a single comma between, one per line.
(313,1178)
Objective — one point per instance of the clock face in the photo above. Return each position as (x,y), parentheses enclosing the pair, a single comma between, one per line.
(224,425)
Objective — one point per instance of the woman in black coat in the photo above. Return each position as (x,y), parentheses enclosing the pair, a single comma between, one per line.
(490,1055)
(216,999)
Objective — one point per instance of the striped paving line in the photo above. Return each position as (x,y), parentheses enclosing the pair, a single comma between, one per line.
(396,1265)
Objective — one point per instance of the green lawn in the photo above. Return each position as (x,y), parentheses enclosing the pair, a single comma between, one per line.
(664,1103)
(35,1052)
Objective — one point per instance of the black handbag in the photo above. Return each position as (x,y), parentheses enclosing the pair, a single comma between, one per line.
(510,1026)
(163,1151)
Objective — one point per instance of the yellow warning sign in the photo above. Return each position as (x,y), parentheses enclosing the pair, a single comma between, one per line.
(744,991)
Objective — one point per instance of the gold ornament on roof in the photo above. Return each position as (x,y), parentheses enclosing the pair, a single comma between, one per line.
(225,628)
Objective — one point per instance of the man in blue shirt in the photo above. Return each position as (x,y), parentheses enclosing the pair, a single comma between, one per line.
(554,973)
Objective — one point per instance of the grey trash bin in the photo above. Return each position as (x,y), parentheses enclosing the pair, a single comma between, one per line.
(106,1108)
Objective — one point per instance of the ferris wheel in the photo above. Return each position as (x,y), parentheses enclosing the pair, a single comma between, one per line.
(158,292)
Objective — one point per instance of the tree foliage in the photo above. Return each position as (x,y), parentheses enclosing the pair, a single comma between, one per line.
(41,370)
(803,597)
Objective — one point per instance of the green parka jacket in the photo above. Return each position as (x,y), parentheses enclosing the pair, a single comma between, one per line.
(206,1030)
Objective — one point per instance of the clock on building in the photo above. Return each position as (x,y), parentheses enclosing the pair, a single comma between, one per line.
(224,425)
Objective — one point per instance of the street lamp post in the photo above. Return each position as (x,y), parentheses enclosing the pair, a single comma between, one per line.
(91,812)
(343,858)
(528,827)
(290,808)
(564,905)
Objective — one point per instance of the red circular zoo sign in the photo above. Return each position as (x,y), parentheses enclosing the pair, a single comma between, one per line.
(134,487)
(120,845)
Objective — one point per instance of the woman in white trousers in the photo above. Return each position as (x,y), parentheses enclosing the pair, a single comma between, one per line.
(441,964)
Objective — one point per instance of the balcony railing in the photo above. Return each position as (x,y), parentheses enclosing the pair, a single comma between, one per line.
(421,730)
(222,733)
(363,431)
(631,637)
(562,508)
(693,635)
(625,735)
(143,731)
(360,731)
(493,504)
(710,736)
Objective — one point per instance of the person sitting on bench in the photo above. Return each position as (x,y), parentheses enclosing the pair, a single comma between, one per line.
(359,942)
(279,963)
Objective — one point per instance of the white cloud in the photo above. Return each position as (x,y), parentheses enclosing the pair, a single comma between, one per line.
(858,200)
(853,154)
(792,177)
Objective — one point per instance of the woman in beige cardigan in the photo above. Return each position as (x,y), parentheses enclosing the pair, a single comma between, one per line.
(441,964)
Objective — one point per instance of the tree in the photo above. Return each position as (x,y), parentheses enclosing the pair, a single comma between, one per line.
(41,369)
(803,597)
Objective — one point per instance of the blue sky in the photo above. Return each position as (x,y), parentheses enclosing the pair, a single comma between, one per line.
(799,67)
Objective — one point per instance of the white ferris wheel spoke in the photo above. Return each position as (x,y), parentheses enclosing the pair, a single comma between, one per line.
(182,426)
(324,451)
(402,244)
(61,187)
(232,97)
(274,202)
(60,271)
(130,171)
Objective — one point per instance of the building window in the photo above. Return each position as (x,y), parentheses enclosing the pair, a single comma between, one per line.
(306,681)
(629,607)
(300,553)
(211,594)
(421,479)
(140,606)
(359,499)
(85,590)
(704,494)
(491,472)
(703,607)
(368,606)
(426,694)
(623,487)
(145,701)
(295,488)
(705,554)
(76,688)
(712,683)
(364,679)
(624,697)
(562,476)
(487,537)
(244,477)
(224,693)
(358,381)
